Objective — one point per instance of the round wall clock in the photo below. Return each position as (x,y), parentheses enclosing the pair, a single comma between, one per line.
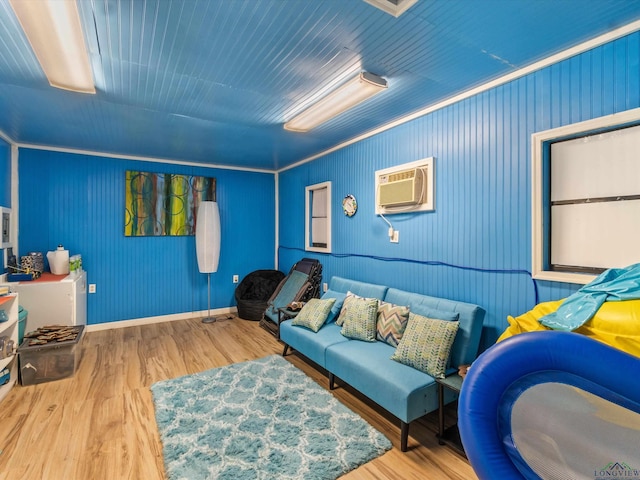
(349,205)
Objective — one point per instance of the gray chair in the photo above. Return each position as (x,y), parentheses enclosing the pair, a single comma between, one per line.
(300,285)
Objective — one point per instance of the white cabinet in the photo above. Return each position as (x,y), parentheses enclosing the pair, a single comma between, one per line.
(54,300)
(9,303)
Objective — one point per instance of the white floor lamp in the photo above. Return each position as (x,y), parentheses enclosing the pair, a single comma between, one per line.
(208,246)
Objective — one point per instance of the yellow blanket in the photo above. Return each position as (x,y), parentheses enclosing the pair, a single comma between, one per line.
(616,324)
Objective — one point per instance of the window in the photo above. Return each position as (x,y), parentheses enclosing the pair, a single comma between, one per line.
(6,228)
(586,198)
(318,217)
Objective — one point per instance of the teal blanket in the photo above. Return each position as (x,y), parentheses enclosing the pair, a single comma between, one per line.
(614,284)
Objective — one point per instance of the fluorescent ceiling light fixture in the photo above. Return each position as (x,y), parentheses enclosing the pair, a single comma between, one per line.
(347,96)
(392,7)
(55,34)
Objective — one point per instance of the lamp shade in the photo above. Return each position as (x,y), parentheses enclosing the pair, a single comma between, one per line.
(208,237)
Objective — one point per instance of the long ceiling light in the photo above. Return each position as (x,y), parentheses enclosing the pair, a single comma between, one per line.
(392,7)
(55,34)
(347,96)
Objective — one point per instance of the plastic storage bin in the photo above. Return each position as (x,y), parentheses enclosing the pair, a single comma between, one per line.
(53,361)
(22,321)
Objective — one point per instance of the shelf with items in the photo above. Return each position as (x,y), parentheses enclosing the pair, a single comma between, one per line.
(5,361)
(9,304)
(9,328)
(6,298)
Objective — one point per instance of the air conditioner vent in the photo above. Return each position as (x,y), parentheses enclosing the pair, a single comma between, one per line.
(392,7)
(401,188)
(405,188)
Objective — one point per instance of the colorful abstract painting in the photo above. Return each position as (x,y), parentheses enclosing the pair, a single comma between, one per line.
(164,203)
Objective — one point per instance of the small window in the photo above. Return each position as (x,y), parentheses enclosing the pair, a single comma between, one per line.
(318,217)
(6,227)
(586,198)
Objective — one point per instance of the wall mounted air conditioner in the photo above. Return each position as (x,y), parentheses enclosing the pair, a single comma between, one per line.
(405,188)
(401,188)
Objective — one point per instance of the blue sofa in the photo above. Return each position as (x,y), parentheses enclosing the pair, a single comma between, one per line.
(403,391)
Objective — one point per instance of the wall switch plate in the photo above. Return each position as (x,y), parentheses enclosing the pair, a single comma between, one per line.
(325,287)
(235,279)
(395,238)
(92,288)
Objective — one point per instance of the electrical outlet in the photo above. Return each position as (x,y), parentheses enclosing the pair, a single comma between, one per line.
(235,279)
(395,238)
(92,288)
(325,287)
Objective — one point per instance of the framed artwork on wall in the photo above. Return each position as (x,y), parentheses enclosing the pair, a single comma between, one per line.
(159,204)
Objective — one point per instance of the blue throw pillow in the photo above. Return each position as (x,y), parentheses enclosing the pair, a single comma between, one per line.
(429,312)
(335,310)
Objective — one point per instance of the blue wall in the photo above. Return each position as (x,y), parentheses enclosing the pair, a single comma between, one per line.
(5,183)
(78,201)
(5,174)
(476,246)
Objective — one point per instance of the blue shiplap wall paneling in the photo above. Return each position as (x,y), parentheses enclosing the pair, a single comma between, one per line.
(5,182)
(78,201)
(5,174)
(476,246)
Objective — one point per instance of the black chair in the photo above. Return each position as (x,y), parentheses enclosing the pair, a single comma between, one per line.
(300,285)
(253,292)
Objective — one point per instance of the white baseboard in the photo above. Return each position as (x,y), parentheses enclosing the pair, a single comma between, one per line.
(159,319)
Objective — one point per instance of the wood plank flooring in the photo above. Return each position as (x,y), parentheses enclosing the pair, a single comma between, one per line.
(100,424)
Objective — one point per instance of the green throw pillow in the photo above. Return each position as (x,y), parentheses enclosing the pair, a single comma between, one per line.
(314,313)
(344,311)
(360,323)
(426,344)
(392,321)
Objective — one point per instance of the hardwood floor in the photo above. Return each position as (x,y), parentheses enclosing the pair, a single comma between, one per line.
(100,424)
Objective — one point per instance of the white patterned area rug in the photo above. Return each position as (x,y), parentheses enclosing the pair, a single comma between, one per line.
(262,419)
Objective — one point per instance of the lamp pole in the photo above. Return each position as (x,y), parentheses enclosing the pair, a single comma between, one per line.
(208,318)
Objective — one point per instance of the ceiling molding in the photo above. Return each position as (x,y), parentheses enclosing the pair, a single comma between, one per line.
(118,156)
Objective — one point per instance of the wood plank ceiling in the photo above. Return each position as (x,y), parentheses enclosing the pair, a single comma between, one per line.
(214,81)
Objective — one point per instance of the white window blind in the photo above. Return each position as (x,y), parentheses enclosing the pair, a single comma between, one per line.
(595,201)
(318,217)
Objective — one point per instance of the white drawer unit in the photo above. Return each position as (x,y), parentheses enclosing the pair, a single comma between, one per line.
(52,300)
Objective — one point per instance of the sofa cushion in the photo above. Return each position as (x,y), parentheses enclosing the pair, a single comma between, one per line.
(311,344)
(360,318)
(391,322)
(426,344)
(314,313)
(335,309)
(405,392)
(369,290)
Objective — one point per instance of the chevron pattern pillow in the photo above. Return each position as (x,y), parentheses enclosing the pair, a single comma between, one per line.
(392,320)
